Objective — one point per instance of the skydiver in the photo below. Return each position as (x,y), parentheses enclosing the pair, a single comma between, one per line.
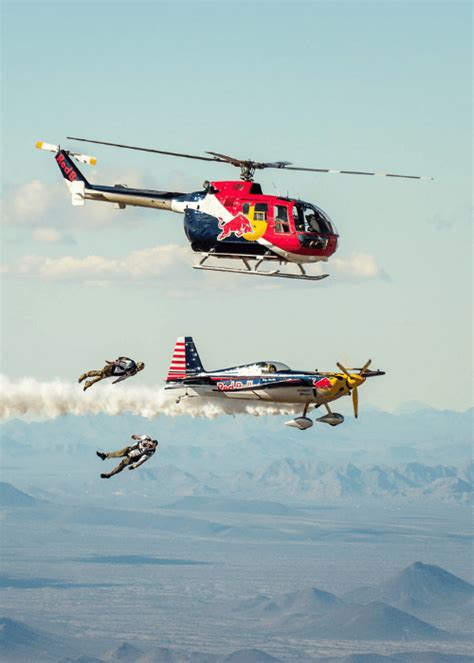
(122,368)
(133,455)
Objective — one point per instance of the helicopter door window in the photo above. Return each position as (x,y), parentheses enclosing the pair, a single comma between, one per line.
(282,225)
(260,213)
(297,220)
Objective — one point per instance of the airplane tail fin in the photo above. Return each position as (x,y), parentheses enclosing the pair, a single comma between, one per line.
(185,361)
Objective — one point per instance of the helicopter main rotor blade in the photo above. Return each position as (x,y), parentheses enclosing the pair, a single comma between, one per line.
(245,163)
(357,172)
(233,160)
(248,162)
(147,149)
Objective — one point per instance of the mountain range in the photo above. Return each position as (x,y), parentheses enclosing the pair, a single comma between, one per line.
(424,455)
(395,609)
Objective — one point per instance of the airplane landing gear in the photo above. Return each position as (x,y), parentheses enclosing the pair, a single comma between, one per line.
(331,418)
(303,422)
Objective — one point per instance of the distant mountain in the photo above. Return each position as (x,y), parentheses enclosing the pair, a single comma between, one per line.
(421,589)
(382,612)
(421,456)
(375,621)
(82,659)
(400,657)
(309,601)
(259,607)
(11,496)
(431,657)
(196,445)
(124,653)
(127,653)
(357,658)
(317,481)
(214,504)
(19,642)
(250,656)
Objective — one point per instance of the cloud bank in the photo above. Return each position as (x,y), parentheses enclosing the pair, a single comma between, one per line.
(148,264)
(138,265)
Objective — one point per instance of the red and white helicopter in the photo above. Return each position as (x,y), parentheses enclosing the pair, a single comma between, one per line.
(267,381)
(229,219)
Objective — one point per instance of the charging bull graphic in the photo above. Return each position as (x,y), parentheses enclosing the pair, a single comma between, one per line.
(239,225)
(322,385)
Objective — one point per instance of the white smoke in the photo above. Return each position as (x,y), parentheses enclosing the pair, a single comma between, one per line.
(28,396)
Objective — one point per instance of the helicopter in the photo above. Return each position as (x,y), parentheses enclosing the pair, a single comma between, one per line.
(233,219)
(267,381)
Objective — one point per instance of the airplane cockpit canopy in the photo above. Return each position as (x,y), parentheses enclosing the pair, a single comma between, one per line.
(259,368)
(272,366)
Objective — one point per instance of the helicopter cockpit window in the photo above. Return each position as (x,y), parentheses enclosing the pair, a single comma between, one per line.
(260,213)
(246,208)
(315,221)
(282,224)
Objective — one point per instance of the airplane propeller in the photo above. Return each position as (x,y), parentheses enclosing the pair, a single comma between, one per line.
(353,381)
(355,401)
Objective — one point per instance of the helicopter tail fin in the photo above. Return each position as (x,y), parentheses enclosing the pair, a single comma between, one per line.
(74,179)
(68,168)
(185,361)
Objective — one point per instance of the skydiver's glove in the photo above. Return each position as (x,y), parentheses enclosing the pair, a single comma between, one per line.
(131,467)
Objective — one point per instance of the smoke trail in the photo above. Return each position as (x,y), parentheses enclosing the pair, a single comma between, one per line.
(27,396)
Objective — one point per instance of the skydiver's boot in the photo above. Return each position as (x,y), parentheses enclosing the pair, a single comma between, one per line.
(82,378)
(101,454)
(105,476)
(97,376)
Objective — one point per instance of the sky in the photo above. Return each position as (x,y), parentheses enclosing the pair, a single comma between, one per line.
(382,86)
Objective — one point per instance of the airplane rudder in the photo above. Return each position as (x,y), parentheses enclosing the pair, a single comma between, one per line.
(193,361)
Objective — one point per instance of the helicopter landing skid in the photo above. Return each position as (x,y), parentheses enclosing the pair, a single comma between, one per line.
(253,270)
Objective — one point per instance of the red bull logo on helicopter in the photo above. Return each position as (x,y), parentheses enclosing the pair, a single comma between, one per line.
(239,225)
(67,170)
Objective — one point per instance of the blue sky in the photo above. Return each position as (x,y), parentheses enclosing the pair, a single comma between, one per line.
(377,86)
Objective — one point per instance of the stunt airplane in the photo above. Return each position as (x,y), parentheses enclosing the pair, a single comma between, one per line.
(266,381)
(230,219)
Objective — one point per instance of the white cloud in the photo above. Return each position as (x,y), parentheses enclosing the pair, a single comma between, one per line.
(51,236)
(358,266)
(35,203)
(159,261)
(138,265)
(27,203)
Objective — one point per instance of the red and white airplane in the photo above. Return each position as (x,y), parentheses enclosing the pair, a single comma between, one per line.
(229,219)
(268,381)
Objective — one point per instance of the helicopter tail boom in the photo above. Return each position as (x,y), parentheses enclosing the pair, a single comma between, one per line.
(119,194)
